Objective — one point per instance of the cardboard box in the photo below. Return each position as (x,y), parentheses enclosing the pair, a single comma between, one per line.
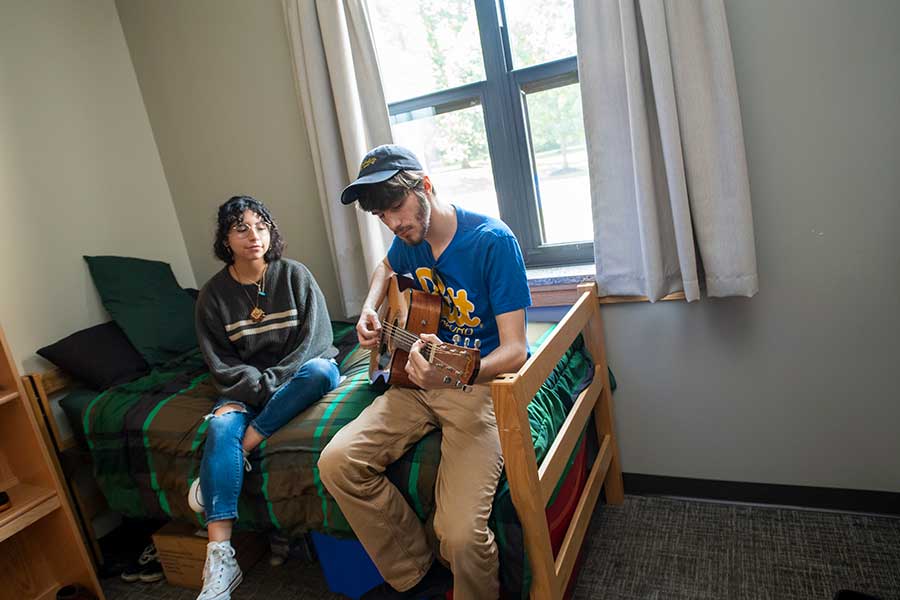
(182,552)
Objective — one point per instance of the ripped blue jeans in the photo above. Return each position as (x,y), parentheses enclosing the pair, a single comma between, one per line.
(222,466)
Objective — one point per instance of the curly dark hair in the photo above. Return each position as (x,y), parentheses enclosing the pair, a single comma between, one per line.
(231,213)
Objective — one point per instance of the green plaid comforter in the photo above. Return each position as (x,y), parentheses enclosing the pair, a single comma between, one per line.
(146,439)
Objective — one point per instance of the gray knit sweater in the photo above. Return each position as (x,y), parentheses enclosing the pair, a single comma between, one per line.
(248,360)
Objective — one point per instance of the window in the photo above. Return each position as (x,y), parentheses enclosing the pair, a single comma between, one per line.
(486,93)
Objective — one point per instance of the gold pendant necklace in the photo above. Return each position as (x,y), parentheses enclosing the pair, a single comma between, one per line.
(257,314)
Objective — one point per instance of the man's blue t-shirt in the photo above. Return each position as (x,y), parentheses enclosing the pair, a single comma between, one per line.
(481,274)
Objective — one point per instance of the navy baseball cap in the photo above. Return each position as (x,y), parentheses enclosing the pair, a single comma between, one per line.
(380,164)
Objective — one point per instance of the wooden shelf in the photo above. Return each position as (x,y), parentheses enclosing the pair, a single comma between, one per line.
(41,547)
(7,396)
(29,503)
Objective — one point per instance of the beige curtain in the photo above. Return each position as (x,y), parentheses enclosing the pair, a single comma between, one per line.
(669,186)
(340,92)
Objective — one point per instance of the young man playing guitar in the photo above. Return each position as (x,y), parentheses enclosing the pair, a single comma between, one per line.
(475,264)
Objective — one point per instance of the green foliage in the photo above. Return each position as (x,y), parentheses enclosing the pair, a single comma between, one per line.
(453,48)
(461,139)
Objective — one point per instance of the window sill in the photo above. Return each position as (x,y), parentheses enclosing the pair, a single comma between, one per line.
(558,286)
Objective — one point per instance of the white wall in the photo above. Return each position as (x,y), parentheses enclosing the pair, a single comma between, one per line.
(79,170)
(218,83)
(798,384)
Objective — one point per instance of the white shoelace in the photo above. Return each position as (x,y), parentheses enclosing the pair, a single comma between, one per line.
(147,555)
(216,560)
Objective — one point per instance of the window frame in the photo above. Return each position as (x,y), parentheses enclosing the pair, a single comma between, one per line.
(502,98)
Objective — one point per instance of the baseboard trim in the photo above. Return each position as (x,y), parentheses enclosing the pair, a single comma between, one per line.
(867,501)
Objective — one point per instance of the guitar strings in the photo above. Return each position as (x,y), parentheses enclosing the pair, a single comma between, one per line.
(410,338)
(404,335)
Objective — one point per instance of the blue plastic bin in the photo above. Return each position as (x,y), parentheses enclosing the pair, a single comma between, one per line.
(348,569)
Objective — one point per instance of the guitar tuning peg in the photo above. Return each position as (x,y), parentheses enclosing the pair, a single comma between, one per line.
(467,388)
(477,344)
(459,384)
(456,338)
(466,343)
(447,379)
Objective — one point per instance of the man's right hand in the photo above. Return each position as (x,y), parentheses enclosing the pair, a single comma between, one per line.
(368,329)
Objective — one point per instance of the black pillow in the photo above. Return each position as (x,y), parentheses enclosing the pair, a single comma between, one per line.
(100,356)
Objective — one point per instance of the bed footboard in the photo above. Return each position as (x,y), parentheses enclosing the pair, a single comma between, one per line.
(531,486)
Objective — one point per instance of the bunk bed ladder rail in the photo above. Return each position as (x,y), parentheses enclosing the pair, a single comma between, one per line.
(530,486)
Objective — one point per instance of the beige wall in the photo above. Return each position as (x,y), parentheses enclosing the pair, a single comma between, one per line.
(217,80)
(79,170)
(798,384)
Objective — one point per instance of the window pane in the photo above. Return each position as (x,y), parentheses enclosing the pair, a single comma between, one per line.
(425,45)
(560,156)
(453,149)
(540,30)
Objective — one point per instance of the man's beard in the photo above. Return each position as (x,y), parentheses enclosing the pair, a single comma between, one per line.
(423,222)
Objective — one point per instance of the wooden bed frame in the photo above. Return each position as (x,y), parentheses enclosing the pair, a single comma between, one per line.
(87,499)
(530,486)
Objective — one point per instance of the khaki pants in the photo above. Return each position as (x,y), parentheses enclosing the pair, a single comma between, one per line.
(352,468)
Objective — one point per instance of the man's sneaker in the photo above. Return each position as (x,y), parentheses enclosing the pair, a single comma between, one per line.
(435,584)
(195,494)
(221,573)
(132,572)
(152,572)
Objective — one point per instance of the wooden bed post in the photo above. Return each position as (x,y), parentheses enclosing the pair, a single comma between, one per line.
(524,487)
(531,486)
(604,418)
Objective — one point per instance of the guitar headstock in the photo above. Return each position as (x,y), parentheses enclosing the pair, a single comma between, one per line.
(460,363)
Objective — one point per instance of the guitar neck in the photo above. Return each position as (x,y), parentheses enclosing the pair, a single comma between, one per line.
(403,339)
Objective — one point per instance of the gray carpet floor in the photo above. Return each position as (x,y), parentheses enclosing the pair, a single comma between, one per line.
(662,548)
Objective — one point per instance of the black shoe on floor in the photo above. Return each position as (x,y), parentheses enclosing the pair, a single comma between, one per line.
(152,572)
(435,584)
(133,572)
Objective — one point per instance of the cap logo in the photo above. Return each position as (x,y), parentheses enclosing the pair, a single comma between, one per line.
(368,162)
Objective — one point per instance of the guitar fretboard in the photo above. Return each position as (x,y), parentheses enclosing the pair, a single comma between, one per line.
(404,340)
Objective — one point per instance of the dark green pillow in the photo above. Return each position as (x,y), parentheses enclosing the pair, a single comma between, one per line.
(145,300)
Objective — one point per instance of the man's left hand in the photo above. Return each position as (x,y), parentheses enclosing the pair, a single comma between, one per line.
(420,371)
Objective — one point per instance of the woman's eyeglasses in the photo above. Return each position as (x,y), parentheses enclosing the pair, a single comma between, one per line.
(242,230)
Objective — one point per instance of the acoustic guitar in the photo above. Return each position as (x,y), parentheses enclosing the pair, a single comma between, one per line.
(404,314)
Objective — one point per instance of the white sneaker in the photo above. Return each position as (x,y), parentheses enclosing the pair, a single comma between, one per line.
(195,497)
(221,573)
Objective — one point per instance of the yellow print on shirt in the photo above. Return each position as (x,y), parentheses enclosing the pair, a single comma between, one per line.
(456,309)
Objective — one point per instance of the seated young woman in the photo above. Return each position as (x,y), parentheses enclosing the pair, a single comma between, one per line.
(265,334)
